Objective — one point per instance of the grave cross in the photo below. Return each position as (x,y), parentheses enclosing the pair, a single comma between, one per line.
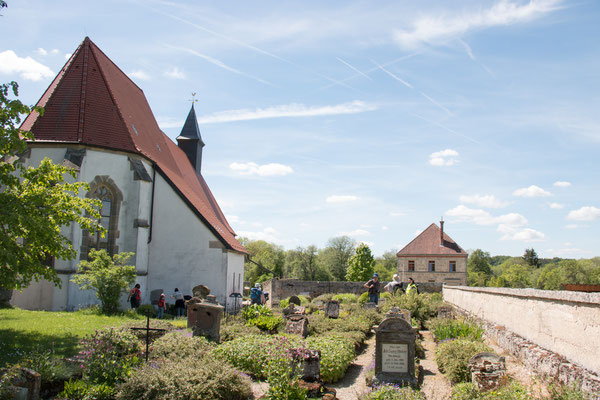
(148,329)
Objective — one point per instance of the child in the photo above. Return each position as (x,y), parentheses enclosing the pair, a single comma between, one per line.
(161,306)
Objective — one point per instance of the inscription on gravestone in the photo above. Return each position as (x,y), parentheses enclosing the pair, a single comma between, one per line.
(394,357)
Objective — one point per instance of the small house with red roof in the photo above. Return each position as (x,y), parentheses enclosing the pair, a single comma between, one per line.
(155,201)
(433,257)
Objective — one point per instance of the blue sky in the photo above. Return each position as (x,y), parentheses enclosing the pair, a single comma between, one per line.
(370,119)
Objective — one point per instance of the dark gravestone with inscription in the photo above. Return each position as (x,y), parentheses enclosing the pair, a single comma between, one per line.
(395,351)
(332,309)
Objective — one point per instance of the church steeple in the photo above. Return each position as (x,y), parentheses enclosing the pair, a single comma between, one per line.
(190,141)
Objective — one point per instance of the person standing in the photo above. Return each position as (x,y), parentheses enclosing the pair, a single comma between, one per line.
(179,303)
(256,294)
(162,306)
(374,288)
(412,287)
(135,297)
(394,285)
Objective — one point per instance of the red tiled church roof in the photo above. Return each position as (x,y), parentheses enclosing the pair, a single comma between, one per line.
(92,102)
(428,243)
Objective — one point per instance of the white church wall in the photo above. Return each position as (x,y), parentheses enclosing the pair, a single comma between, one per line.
(180,252)
(235,278)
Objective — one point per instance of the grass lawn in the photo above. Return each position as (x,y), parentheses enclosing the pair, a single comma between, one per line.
(22,330)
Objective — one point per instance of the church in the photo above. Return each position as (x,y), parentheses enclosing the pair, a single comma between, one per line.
(155,201)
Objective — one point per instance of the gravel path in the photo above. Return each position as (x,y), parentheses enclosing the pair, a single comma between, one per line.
(352,385)
(435,385)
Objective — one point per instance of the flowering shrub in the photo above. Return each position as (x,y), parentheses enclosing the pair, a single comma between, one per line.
(186,379)
(234,326)
(45,363)
(393,392)
(336,355)
(452,357)
(179,344)
(109,355)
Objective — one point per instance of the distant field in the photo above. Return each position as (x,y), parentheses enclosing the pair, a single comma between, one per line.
(22,330)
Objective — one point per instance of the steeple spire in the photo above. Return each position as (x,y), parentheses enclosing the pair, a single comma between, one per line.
(190,141)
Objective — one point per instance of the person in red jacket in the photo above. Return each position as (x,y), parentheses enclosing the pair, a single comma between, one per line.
(135,297)
(162,306)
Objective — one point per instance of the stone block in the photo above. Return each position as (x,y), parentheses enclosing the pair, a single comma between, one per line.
(332,309)
(488,370)
(297,324)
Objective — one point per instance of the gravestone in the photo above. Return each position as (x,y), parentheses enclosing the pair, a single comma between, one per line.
(200,291)
(28,383)
(295,300)
(155,296)
(488,370)
(205,319)
(297,324)
(370,306)
(395,351)
(332,309)
(311,365)
(400,313)
(445,311)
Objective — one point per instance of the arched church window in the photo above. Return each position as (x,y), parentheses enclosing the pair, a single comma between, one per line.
(104,189)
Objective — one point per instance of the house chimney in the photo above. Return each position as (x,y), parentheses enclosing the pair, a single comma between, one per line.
(442,231)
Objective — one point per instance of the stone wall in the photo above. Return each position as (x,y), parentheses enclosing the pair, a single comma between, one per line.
(560,321)
(280,289)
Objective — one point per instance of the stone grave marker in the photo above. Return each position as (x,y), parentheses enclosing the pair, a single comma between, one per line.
(445,311)
(332,309)
(204,317)
(200,291)
(395,351)
(297,324)
(370,306)
(311,366)
(28,384)
(295,300)
(155,296)
(488,370)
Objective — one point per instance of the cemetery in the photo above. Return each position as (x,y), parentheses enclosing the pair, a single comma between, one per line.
(334,346)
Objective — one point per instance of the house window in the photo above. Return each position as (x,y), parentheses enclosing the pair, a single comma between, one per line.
(431,266)
(411,266)
(452,267)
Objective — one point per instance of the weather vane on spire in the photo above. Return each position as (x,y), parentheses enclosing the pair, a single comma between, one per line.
(193,99)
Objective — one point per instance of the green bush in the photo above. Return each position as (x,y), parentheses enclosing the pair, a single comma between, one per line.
(444,328)
(267,323)
(452,357)
(567,392)
(319,324)
(324,298)
(7,376)
(422,306)
(336,355)
(345,298)
(255,311)
(468,391)
(152,335)
(50,367)
(234,326)
(393,392)
(109,356)
(286,302)
(186,379)
(82,390)
(177,345)
(363,298)
(386,295)
(146,309)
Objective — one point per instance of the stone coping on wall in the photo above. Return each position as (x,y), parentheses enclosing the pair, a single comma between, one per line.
(591,299)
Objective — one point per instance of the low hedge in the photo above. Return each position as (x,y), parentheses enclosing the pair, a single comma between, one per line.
(180,344)
(452,357)
(447,328)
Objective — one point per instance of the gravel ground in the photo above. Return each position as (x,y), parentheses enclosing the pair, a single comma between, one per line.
(435,385)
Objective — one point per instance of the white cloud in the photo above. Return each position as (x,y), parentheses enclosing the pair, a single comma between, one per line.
(384,228)
(524,235)
(556,206)
(562,184)
(354,233)
(251,168)
(27,68)
(567,252)
(435,29)
(531,191)
(41,51)
(341,199)
(169,122)
(443,158)
(268,234)
(175,73)
(232,218)
(54,52)
(139,74)
(287,111)
(587,213)
(482,217)
(571,226)
(417,233)
(397,214)
(488,201)
(68,55)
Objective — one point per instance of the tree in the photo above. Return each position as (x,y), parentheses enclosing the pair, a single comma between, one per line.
(109,277)
(478,268)
(386,265)
(360,265)
(335,256)
(305,264)
(36,204)
(531,257)
(268,255)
